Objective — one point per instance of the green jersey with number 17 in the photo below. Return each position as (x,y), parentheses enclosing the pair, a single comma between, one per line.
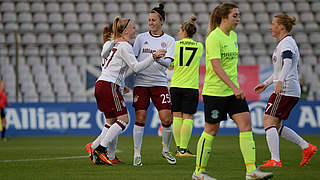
(223,47)
(186,62)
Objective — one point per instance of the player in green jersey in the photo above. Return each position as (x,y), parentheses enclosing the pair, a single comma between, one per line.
(184,87)
(222,94)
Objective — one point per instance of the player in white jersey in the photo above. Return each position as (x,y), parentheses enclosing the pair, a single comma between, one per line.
(152,83)
(117,56)
(286,94)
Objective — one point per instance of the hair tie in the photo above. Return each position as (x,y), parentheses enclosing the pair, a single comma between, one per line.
(158,14)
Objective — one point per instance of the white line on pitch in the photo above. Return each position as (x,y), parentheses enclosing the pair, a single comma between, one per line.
(44,159)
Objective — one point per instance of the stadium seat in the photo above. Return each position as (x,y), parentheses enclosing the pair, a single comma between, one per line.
(72,27)
(244,7)
(59,38)
(97,7)
(185,8)
(24,17)
(273,7)
(54,18)
(315,37)
(126,7)
(31,50)
(306,17)
(28,38)
(9,17)
(52,7)
(82,7)
(70,17)
(100,17)
(288,7)
(258,7)
(7,7)
(75,38)
(112,7)
(64,59)
(22,7)
(26,27)
(173,18)
(40,18)
(301,37)
(77,50)
(303,7)
(37,7)
(67,7)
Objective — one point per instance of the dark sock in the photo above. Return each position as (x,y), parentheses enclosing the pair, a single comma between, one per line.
(3,132)
(101,149)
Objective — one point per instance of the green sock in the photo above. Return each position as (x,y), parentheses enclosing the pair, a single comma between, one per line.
(248,149)
(185,133)
(176,128)
(203,152)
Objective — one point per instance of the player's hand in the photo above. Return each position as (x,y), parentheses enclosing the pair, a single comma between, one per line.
(239,93)
(260,88)
(159,53)
(126,90)
(278,87)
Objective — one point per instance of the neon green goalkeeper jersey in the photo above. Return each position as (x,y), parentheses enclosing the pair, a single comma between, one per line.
(223,47)
(186,62)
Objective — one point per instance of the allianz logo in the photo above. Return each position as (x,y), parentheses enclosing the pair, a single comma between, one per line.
(40,118)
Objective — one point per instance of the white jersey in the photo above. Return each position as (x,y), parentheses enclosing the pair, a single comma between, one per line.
(116,58)
(145,44)
(291,85)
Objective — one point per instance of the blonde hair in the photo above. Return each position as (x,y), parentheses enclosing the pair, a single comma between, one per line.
(118,26)
(287,21)
(222,10)
(190,26)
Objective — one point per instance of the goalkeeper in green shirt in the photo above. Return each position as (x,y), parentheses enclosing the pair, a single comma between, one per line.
(184,87)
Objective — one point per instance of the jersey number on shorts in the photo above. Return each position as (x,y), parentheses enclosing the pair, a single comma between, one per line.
(106,60)
(194,50)
(165,98)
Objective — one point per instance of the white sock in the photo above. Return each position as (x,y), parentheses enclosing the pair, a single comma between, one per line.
(293,137)
(272,137)
(114,131)
(97,141)
(166,138)
(112,147)
(137,139)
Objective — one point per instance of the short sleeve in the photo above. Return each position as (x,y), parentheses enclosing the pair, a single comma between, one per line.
(213,48)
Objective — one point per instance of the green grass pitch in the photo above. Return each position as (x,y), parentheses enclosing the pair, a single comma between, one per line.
(59,158)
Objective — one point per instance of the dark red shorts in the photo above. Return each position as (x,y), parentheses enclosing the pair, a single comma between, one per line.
(159,95)
(280,106)
(109,99)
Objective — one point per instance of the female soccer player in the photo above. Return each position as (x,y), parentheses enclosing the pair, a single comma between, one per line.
(107,34)
(110,101)
(221,92)
(286,94)
(184,89)
(153,83)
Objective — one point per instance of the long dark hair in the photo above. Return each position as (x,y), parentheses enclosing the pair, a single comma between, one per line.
(222,10)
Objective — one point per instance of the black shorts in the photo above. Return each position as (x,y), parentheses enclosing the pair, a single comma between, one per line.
(2,113)
(216,108)
(184,100)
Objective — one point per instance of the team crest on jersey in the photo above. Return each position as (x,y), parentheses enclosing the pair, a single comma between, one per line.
(135,99)
(163,45)
(145,43)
